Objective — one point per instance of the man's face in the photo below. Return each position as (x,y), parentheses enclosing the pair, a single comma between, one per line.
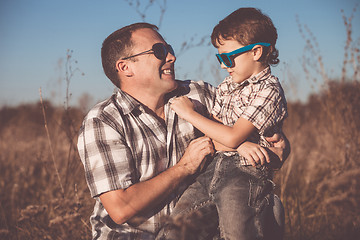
(152,75)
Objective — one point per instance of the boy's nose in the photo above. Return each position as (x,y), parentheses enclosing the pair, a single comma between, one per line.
(222,65)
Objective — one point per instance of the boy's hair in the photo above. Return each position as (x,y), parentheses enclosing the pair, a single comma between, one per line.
(118,45)
(248,26)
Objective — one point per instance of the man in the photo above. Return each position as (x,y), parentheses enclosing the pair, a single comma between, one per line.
(137,154)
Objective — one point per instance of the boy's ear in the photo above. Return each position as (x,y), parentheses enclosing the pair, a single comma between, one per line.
(257,52)
(123,67)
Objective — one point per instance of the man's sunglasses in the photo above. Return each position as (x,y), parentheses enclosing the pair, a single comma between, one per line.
(160,51)
(228,58)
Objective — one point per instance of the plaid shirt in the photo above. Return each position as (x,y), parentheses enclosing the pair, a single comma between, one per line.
(120,144)
(259,99)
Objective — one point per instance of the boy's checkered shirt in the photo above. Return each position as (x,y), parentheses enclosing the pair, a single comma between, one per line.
(259,99)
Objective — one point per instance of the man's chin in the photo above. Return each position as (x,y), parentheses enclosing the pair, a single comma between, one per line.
(169,78)
(174,85)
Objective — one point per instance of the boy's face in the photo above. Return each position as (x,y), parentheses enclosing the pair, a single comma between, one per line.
(245,64)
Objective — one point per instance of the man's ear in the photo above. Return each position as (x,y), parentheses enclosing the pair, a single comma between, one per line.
(257,52)
(124,68)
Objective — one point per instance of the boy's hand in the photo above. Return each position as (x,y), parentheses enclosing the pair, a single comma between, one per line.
(182,106)
(274,155)
(254,153)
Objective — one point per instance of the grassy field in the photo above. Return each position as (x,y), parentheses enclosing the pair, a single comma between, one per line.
(320,181)
(43,189)
(44,194)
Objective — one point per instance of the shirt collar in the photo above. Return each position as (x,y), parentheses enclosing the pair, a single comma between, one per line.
(126,102)
(182,89)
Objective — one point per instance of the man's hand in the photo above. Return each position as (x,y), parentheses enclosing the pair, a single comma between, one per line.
(195,154)
(281,146)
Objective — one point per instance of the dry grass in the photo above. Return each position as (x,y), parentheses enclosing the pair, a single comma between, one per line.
(32,203)
(319,183)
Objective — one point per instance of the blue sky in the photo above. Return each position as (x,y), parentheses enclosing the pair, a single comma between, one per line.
(35,36)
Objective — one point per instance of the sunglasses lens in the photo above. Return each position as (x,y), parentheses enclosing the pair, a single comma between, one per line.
(170,49)
(218,58)
(225,59)
(159,51)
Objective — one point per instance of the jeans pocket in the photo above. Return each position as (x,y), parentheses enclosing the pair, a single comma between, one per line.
(259,189)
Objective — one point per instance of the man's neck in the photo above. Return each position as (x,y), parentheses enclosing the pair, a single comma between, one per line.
(154,104)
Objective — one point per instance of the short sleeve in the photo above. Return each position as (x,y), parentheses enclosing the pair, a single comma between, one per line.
(106,157)
(266,110)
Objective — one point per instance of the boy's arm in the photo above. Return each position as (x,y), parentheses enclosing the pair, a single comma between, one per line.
(230,137)
(218,146)
(255,154)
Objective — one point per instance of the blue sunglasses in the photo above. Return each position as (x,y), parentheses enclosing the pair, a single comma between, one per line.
(228,58)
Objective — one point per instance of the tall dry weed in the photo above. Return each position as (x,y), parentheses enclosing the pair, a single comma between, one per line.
(32,203)
(320,182)
(43,190)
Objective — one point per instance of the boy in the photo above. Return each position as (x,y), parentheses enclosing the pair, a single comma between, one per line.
(251,104)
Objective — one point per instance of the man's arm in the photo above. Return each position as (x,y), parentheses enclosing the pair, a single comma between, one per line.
(124,204)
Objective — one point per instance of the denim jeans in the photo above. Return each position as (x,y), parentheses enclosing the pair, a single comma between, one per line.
(234,197)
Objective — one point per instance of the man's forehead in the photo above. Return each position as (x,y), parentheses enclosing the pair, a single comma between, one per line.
(146,34)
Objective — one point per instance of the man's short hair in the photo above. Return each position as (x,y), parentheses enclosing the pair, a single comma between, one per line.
(118,45)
